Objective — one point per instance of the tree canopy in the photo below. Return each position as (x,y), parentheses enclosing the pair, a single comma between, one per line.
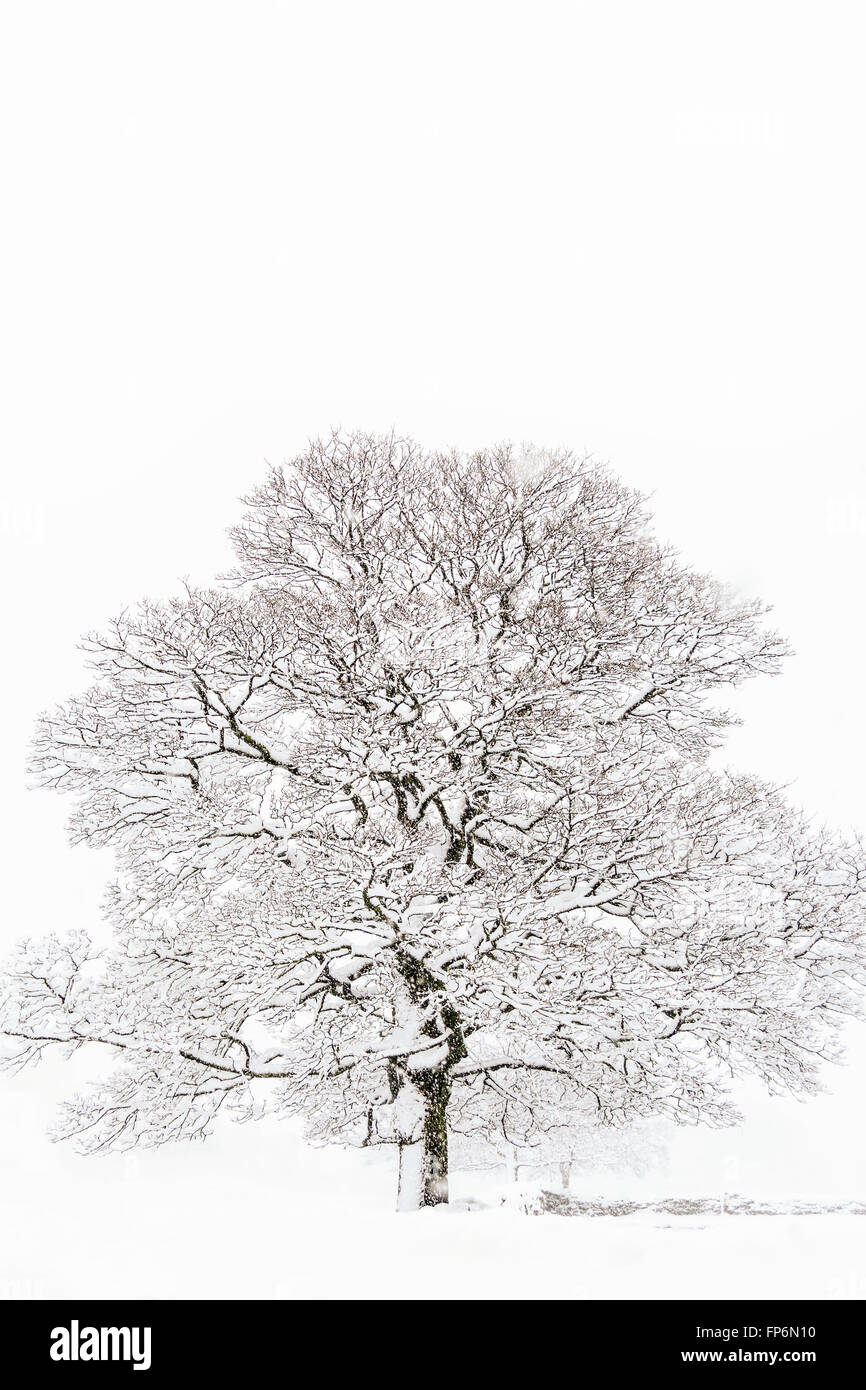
(416,825)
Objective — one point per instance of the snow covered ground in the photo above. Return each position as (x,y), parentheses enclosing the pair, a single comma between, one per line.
(255,1213)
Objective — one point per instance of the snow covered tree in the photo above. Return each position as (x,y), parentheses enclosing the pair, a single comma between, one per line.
(531,1135)
(417,808)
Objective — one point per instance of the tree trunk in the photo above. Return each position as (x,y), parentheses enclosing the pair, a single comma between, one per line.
(565,1175)
(423,1177)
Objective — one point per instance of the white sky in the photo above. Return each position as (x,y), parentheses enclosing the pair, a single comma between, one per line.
(634,229)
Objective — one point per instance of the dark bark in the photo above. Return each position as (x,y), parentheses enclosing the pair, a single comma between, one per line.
(436,1091)
(423,1176)
(429,1155)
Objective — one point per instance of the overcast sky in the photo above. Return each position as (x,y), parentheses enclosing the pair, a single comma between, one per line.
(634,229)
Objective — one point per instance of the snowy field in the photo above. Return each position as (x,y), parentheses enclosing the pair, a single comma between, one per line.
(255,1213)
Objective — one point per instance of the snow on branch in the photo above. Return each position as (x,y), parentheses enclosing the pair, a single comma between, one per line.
(415,825)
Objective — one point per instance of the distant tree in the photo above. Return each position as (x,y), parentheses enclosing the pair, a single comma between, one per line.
(535,1133)
(415,807)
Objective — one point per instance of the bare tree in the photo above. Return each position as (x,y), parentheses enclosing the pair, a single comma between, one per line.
(531,1137)
(415,808)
